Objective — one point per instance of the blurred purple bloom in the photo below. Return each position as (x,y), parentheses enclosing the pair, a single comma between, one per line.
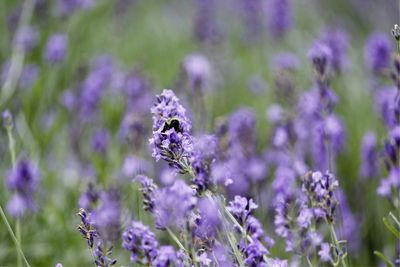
(56,48)
(197,69)
(141,242)
(28,76)
(134,165)
(204,154)
(106,218)
(324,253)
(91,89)
(68,100)
(166,256)
(369,156)
(337,41)
(320,55)
(377,52)
(252,12)
(23,181)
(100,140)
(242,131)
(173,204)
(348,226)
(280,17)
(275,114)
(67,7)
(285,61)
(27,38)
(89,198)
(390,184)
(384,103)
(206,29)
(209,221)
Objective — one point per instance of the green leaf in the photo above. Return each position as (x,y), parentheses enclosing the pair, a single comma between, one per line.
(383,257)
(391,227)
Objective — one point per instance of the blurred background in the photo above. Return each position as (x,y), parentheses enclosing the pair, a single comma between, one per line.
(78,101)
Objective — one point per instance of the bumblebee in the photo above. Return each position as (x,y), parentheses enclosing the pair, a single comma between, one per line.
(172,123)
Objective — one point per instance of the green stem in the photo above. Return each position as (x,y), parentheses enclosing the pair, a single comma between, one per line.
(3,216)
(94,259)
(175,238)
(18,235)
(11,146)
(18,54)
(337,245)
(309,262)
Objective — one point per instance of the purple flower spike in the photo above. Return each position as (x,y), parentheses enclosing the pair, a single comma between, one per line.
(320,55)
(369,156)
(23,180)
(56,48)
(171,139)
(377,52)
(280,17)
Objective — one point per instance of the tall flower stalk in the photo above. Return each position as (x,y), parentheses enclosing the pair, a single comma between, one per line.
(8,124)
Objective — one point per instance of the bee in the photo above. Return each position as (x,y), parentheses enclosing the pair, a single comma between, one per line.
(172,123)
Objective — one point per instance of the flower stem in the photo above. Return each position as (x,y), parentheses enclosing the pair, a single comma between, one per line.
(309,262)
(18,236)
(175,238)
(11,146)
(3,216)
(337,245)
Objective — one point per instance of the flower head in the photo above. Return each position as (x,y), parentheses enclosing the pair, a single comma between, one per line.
(141,242)
(171,139)
(56,48)
(23,181)
(377,52)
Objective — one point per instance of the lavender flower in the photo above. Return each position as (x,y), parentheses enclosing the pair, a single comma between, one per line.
(28,76)
(285,61)
(148,189)
(172,205)
(204,154)
(100,140)
(23,181)
(56,48)
(91,89)
(377,52)
(89,198)
(338,43)
(252,15)
(86,227)
(369,156)
(27,38)
(171,139)
(106,218)
(324,253)
(241,131)
(320,189)
(141,242)
(321,56)
(280,17)
(103,255)
(206,29)
(166,256)
(197,69)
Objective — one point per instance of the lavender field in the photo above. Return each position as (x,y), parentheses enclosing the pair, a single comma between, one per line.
(200,133)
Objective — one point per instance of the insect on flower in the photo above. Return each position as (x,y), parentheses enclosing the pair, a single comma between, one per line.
(172,123)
